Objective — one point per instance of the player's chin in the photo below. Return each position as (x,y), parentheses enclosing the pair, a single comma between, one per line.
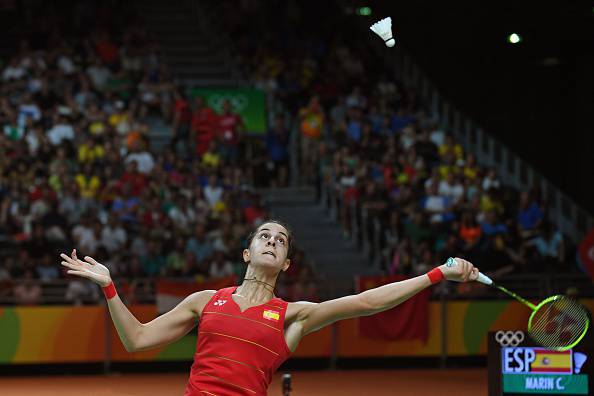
(269,262)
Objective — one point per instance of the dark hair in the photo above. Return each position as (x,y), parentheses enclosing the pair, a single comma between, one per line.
(289,235)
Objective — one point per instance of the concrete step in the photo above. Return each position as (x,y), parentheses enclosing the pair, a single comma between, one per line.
(198,61)
(221,75)
(161,135)
(321,241)
(196,49)
(193,54)
(197,41)
(164,9)
(189,67)
(166,16)
(291,204)
(190,82)
(287,191)
(297,201)
(182,29)
(156,17)
(335,259)
(159,145)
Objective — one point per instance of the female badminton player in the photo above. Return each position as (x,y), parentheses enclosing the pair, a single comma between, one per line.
(245,332)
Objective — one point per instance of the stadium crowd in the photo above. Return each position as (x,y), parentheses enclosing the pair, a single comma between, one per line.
(373,143)
(77,169)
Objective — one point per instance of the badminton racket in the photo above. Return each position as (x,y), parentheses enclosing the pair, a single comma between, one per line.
(557,322)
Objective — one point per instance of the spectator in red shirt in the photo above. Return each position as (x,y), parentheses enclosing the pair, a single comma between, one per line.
(27,292)
(254,213)
(106,49)
(203,125)
(152,214)
(135,180)
(229,126)
(182,116)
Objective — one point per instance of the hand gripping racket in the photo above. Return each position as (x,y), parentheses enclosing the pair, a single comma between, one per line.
(557,322)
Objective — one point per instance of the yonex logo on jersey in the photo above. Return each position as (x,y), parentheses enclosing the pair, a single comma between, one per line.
(220,302)
(271,315)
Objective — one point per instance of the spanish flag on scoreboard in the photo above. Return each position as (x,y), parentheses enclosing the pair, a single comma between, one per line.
(551,362)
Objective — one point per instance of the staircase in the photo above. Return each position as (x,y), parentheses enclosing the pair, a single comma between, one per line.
(160,133)
(194,54)
(9,40)
(335,260)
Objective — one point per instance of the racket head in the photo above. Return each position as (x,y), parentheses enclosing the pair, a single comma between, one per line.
(559,323)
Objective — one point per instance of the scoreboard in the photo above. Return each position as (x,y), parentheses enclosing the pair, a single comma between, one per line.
(519,367)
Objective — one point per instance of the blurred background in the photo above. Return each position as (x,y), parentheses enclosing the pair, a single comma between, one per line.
(154,135)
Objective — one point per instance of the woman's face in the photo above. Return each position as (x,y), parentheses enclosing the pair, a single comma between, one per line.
(269,247)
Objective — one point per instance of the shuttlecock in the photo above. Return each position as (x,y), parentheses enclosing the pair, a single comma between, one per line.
(383,29)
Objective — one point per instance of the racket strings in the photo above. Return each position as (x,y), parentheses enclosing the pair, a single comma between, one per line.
(559,324)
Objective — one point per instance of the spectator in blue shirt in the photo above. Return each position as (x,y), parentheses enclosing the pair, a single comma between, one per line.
(549,244)
(125,206)
(491,226)
(530,214)
(400,120)
(354,125)
(199,245)
(47,270)
(277,142)
(153,262)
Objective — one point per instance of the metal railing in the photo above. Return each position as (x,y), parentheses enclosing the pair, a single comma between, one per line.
(571,219)
(531,286)
(58,292)
(204,18)
(366,234)
(143,290)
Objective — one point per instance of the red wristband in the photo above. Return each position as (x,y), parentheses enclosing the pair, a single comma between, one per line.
(435,275)
(109,291)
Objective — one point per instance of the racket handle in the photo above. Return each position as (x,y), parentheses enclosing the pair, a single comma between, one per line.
(484,279)
(481,277)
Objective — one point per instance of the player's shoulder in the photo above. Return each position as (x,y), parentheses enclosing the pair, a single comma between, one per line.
(301,304)
(297,309)
(199,299)
(203,294)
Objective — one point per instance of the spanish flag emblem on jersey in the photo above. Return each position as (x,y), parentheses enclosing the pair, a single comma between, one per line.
(271,315)
(551,362)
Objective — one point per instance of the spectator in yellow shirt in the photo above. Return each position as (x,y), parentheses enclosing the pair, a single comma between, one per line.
(211,157)
(90,151)
(121,119)
(490,203)
(448,166)
(451,147)
(88,183)
(471,170)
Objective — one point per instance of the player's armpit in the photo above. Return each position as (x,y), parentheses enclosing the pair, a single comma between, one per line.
(174,324)
(316,316)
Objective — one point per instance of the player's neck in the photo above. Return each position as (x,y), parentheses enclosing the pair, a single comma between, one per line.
(256,288)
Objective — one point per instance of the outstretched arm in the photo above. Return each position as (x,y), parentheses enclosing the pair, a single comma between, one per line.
(138,336)
(313,317)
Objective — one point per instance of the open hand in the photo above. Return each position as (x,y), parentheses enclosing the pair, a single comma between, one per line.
(460,271)
(89,268)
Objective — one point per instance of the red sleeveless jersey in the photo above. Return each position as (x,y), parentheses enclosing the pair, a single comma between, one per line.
(237,352)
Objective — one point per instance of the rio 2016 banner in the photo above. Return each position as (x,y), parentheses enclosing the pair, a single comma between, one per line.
(78,334)
(249,103)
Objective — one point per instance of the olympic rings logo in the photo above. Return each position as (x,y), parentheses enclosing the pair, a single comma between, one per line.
(238,101)
(509,338)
